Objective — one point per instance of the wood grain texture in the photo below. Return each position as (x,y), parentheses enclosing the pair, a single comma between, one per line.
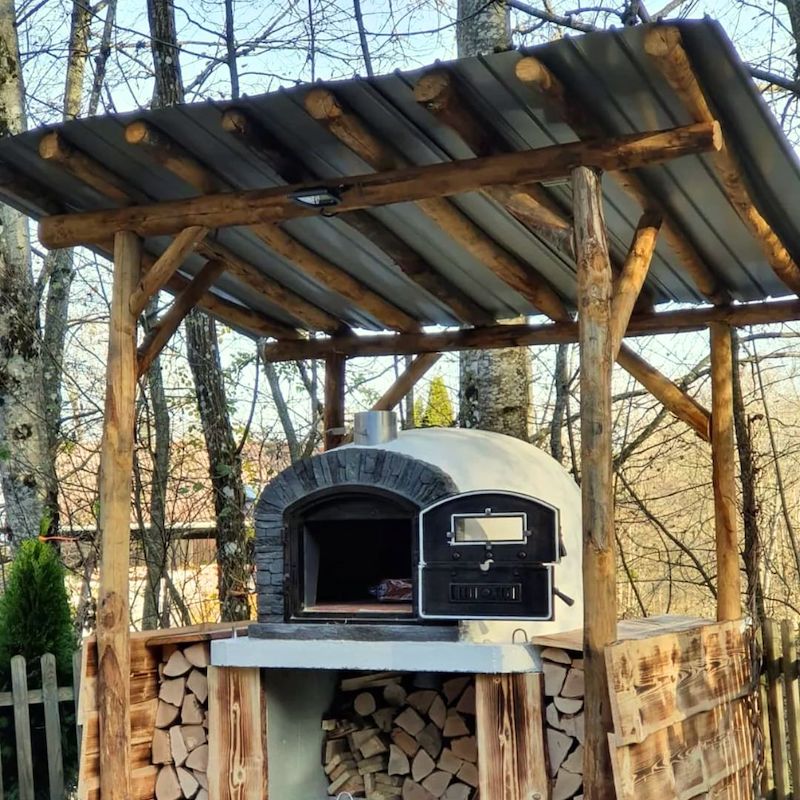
(494,336)
(724,460)
(333,408)
(664,45)
(116,464)
(774,658)
(512,758)
(791,678)
(533,72)
(52,727)
(22,728)
(597,491)
(409,184)
(237,768)
(666,678)
(631,279)
(707,755)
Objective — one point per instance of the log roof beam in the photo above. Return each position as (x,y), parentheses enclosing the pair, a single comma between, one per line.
(438,92)
(523,335)
(405,185)
(349,129)
(175,159)
(531,72)
(664,45)
(314,318)
(266,148)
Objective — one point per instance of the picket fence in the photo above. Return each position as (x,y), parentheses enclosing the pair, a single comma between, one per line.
(780,703)
(51,695)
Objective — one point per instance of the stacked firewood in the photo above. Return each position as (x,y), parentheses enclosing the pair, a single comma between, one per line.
(402,736)
(180,739)
(564,688)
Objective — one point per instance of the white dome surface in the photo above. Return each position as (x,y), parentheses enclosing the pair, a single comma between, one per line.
(483,461)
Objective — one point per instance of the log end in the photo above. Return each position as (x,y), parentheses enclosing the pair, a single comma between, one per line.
(531,71)
(661,40)
(434,88)
(322,105)
(52,147)
(137,132)
(235,121)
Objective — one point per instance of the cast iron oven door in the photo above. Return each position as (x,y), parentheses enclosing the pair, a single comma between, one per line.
(488,555)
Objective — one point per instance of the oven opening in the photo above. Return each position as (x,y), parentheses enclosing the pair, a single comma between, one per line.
(355,556)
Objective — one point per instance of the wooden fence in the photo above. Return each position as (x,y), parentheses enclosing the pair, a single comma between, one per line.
(51,695)
(780,710)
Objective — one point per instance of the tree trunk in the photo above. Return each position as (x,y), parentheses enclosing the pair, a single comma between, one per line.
(495,384)
(201,341)
(155,539)
(225,465)
(27,478)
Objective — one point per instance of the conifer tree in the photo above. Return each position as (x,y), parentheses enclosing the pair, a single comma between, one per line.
(439,408)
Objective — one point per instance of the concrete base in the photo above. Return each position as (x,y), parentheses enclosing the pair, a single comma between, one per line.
(376,656)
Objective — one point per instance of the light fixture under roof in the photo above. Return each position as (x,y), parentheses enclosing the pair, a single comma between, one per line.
(316,197)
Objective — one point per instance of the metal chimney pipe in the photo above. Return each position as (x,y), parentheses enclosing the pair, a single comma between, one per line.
(372,428)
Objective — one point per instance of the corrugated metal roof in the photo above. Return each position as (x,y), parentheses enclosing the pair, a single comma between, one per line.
(608,72)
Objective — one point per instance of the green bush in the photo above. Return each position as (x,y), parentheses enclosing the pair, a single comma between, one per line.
(35,619)
(439,408)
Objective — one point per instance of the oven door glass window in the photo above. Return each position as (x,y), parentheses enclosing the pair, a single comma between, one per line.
(484,528)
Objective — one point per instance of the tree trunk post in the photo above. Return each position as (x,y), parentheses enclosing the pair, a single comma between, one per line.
(599,567)
(723,458)
(116,464)
(335,365)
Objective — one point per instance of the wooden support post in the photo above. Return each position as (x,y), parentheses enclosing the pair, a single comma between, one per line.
(116,464)
(599,567)
(512,762)
(406,381)
(335,365)
(723,456)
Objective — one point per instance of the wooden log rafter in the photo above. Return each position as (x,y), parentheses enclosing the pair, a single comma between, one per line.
(183,303)
(664,45)
(410,184)
(67,156)
(523,335)
(266,148)
(438,93)
(531,72)
(406,381)
(174,158)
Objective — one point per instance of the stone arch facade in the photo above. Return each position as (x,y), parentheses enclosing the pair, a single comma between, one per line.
(415,480)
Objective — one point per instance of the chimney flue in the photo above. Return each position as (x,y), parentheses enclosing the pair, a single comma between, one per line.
(372,428)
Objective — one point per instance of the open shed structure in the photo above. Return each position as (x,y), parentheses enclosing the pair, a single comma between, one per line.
(588,180)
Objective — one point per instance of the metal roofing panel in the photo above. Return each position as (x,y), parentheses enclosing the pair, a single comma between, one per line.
(608,72)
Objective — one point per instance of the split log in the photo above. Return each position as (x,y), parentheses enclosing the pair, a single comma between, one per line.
(566,785)
(438,712)
(558,745)
(197,684)
(188,782)
(161,750)
(457,791)
(168,786)
(557,655)
(574,684)
(437,782)
(407,743)
(191,712)
(410,721)
(193,735)
(468,774)
(177,746)
(398,761)
(422,765)
(198,758)
(465,748)
(421,701)
(176,665)
(454,725)
(384,718)
(394,694)
(568,705)
(414,791)
(449,762)
(172,691)
(166,714)
(454,687)
(466,703)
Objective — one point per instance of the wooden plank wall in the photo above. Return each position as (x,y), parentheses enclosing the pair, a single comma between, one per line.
(145,648)
(683,714)
(237,753)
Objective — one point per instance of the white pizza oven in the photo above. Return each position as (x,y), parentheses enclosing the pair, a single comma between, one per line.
(425,527)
